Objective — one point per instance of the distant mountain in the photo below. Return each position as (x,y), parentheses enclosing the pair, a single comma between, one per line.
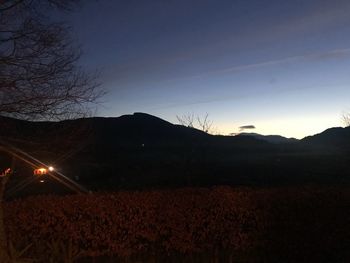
(109,134)
(270,138)
(333,138)
(140,150)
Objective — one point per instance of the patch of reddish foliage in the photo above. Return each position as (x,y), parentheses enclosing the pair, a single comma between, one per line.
(129,223)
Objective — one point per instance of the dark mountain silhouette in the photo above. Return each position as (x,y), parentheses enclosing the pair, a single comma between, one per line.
(269,138)
(142,151)
(334,138)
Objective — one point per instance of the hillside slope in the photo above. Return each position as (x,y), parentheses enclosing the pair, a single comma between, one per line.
(141,150)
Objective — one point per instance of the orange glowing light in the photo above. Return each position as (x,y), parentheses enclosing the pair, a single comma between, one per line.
(40,171)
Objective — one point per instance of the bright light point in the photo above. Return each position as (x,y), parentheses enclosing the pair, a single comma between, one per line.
(42,181)
(51,168)
(40,171)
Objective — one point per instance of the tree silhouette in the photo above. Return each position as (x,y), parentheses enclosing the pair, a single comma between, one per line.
(346,119)
(196,122)
(40,78)
(39,74)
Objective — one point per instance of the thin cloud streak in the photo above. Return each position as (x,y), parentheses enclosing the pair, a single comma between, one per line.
(241,97)
(330,54)
(336,53)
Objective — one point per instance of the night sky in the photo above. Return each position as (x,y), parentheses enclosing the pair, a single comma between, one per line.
(282,66)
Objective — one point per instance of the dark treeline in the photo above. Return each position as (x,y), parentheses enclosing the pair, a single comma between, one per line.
(141,151)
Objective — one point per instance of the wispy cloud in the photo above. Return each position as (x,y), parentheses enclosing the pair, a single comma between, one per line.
(331,54)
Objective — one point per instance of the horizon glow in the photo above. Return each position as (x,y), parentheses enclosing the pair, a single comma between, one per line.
(282,66)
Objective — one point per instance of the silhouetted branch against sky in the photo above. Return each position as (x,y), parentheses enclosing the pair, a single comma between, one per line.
(197,122)
(186,120)
(39,76)
(346,118)
(30,5)
(204,123)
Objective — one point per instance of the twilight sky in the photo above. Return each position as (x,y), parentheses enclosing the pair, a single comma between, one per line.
(282,66)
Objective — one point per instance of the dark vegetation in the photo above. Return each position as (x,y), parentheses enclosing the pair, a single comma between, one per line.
(156,197)
(220,224)
(141,151)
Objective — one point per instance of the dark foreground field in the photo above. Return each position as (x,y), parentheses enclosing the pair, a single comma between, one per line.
(219,224)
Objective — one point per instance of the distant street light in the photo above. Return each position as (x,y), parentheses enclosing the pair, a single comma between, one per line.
(40,171)
(43,171)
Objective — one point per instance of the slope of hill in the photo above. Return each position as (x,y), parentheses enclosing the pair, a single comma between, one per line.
(270,138)
(141,151)
(338,138)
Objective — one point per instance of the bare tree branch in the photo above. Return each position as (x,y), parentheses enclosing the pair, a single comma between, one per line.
(39,74)
(204,123)
(186,120)
(346,119)
(200,123)
(7,5)
(38,4)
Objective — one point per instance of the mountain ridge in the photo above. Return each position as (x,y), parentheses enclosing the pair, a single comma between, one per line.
(269,138)
(141,150)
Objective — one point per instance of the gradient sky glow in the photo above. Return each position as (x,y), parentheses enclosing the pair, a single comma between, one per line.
(282,66)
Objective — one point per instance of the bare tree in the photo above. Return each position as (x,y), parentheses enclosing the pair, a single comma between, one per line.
(200,123)
(186,120)
(346,119)
(40,78)
(39,74)
(204,123)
